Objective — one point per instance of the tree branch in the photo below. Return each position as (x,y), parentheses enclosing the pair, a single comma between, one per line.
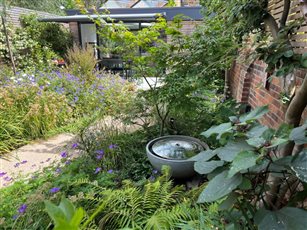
(294,113)
(270,22)
(285,13)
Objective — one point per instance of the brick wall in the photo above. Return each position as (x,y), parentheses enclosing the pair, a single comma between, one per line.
(189,26)
(248,84)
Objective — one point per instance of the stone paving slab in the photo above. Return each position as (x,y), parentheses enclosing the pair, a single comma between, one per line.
(33,157)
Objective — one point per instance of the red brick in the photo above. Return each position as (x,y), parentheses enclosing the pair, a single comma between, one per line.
(249,88)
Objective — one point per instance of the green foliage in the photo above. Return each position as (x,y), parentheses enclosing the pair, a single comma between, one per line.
(65,216)
(243,18)
(279,54)
(36,44)
(183,64)
(239,172)
(76,181)
(52,35)
(127,157)
(26,113)
(157,205)
(44,5)
(82,62)
(32,105)
(285,218)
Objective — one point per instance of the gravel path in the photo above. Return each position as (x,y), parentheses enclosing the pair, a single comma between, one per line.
(34,157)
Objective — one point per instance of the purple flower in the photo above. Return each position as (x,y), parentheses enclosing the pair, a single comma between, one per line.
(58,170)
(97,170)
(2,174)
(74,145)
(64,154)
(100,152)
(110,171)
(99,156)
(15,217)
(112,146)
(155,171)
(48,159)
(7,178)
(54,190)
(68,162)
(152,178)
(24,162)
(22,209)
(16,165)
(76,99)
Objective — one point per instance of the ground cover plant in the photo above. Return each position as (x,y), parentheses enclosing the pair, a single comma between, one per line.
(97,181)
(32,104)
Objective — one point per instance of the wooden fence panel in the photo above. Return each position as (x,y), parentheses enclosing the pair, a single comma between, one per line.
(299,39)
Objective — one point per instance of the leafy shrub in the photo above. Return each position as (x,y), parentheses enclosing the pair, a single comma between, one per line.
(36,44)
(246,172)
(47,34)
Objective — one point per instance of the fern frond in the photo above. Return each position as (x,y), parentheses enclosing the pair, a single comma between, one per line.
(156,206)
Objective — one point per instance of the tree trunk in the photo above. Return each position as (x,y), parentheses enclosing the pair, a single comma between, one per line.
(3,17)
(293,114)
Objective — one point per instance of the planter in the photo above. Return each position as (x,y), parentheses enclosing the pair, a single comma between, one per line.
(175,152)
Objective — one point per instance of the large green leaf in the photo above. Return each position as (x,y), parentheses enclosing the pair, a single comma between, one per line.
(229,201)
(277,141)
(203,156)
(77,217)
(256,131)
(284,219)
(254,114)
(219,187)
(299,135)
(243,160)
(205,167)
(299,165)
(56,214)
(230,151)
(220,130)
(65,216)
(256,142)
(67,207)
(260,166)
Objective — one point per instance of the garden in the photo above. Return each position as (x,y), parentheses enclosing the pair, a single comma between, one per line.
(248,176)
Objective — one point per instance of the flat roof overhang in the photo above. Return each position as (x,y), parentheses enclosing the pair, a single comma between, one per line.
(116,17)
(131,14)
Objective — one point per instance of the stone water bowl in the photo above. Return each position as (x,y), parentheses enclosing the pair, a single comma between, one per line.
(175,152)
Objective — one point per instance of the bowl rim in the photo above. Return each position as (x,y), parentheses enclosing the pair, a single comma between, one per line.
(150,143)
